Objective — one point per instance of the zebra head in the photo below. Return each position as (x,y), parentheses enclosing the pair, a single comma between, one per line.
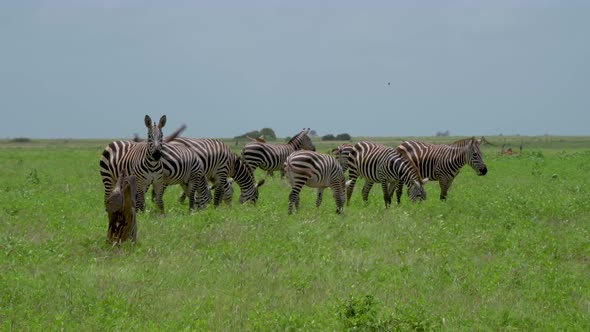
(155,136)
(253,195)
(245,178)
(302,141)
(475,158)
(416,192)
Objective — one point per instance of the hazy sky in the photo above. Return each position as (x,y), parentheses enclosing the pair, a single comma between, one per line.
(93,69)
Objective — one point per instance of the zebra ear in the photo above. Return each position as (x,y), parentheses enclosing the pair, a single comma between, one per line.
(162,121)
(148,121)
(347,183)
(424,181)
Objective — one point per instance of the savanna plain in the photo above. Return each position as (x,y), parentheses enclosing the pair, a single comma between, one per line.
(506,251)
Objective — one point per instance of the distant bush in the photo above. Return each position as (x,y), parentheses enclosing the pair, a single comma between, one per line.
(343,137)
(267,133)
(328,137)
(21,140)
(443,133)
(253,134)
(339,137)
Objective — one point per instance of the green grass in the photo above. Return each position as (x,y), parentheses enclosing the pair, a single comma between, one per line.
(507,251)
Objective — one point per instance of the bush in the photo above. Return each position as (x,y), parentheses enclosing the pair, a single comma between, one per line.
(339,137)
(343,137)
(253,134)
(328,137)
(21,140)
(268,134)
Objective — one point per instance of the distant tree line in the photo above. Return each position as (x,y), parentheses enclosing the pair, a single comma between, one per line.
(443,133)
(339,137)
(267,133)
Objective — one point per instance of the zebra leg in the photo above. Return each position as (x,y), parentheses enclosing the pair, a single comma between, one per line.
(386,195)
(318,201)
(366,189)
(191,190)
(350,186)
(445,185)
(159,189)
(228,192)
(203,195)
(219,190)
(140,196)
(399,191)
(294,195)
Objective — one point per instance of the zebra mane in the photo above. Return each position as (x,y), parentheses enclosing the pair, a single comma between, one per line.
(411,163)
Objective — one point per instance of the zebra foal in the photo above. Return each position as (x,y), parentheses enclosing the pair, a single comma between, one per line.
(442,162)
(316,170)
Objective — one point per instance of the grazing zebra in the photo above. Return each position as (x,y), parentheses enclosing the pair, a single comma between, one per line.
(341,152)
(219,164)
(139,159)
(241,173)
(316,170)
(181,165)
(272,157)
(442,162)
(388,166)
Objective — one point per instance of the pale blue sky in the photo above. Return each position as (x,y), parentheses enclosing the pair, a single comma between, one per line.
(93,69)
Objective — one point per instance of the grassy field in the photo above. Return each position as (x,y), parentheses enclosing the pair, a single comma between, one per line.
(507,251)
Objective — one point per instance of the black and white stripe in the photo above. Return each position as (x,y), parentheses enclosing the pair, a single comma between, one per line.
(220,164)
(316,170)
(385,165)
(181,165)
(141,159)
(272,157)
(442,162)
(341,152)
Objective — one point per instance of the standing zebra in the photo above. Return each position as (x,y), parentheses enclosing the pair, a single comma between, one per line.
(388,166)
(442,162)
(181,165)
(342,152)
(219,164)
(272,157)
(140,159)
(316,170)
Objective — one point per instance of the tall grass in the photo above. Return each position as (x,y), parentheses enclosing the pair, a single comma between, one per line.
(506,251)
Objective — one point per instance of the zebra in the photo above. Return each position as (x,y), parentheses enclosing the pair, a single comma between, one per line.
(241,173)
(442,162)
(386,165)
(219,164)
(141,159)
(341,153)
(316,170)
(272,157)
(181,165)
